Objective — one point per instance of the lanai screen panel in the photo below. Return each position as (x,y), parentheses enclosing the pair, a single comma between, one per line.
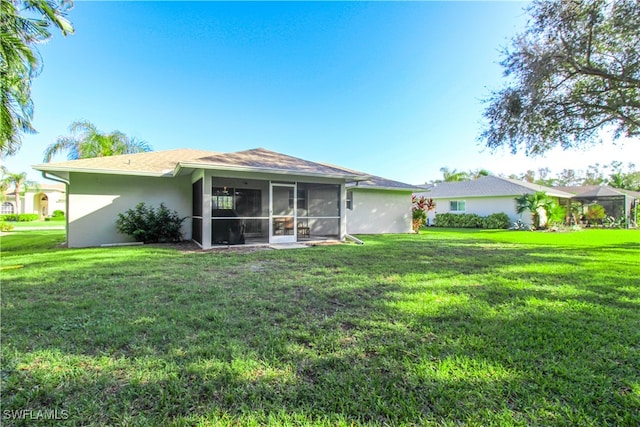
(318,210)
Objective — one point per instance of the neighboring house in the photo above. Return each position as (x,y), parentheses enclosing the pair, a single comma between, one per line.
(41,199)
(253,196)
(616,202)
(485,196)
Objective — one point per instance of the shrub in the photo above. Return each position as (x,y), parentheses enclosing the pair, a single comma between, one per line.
(19,217)
(556,214)
(149,225)
(595,213)
(57,214)
(494,221)
(451,220)
(497,221)
(5,226)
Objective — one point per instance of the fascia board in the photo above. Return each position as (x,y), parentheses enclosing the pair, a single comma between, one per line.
(102,171)
(266,170)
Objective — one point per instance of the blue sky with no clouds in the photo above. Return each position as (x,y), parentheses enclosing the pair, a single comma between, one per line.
(388,88)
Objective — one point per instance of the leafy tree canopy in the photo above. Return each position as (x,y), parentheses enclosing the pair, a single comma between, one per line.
(87,141)
(573,72)
(23,24)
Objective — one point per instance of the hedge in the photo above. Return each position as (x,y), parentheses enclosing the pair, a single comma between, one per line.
(493,221)
(19,217)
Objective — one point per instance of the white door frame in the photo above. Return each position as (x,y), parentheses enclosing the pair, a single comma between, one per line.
(283,238)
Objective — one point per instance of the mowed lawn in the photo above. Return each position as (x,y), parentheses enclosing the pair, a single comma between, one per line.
(446,328)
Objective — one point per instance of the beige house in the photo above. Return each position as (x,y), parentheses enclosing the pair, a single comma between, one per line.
(254,196)
(41,199)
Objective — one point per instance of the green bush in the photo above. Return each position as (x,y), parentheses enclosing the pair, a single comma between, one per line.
(451,220)
(497,221)
(5,226)
(149,225)
(19,217)
(595,213)
(556,215)
(57,214)
(494,221)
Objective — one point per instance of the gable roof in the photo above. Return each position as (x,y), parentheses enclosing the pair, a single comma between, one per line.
(489,186)
(172,162)
(380,183)
(263,160)
(153,163)
(599,191)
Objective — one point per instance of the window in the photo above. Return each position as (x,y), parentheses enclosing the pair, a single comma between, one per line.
(457,206)
(222,198)
(350,200)
(7,208)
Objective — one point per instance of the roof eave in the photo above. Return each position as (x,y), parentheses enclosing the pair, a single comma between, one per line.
(102,171)
(182,165)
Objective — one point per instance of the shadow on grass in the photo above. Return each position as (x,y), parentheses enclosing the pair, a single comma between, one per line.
(404,330)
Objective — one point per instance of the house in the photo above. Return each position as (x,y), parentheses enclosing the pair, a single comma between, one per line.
(379,205)
(41,199)
(485,196)
(253,196)
(617,202)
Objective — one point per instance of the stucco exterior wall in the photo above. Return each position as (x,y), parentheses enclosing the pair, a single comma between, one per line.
(379,212)
(483,206)
(95,200)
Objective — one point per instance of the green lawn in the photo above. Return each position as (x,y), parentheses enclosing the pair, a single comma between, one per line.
(448,328)
(24,224)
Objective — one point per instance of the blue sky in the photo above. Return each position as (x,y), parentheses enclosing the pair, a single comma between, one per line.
(388,88)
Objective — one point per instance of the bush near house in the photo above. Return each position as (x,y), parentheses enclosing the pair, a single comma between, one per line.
(493,221)
(19,217)
(595,214)
(497,221)
(149,225)
(57,215)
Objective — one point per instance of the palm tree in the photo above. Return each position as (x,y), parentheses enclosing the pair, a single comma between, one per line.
(20,185)
(20,62)
(453,175)
(478,173)
(533,203)
(88,141)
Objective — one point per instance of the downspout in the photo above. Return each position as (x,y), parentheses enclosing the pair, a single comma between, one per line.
(354,239)
(66,201)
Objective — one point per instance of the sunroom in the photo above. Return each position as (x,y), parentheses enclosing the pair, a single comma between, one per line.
(250,205)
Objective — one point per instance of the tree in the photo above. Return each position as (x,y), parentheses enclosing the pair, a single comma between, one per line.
(533,203)
(20,185)
(453,175)
(625,180)
(573,72)
(87,141)
(20,61)
(478,173)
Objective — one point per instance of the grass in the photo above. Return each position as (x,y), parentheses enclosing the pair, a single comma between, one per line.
(24,224)
(446,328)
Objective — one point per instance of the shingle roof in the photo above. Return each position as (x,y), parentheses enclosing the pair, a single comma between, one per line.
(598,191)
(488,186)
(151,163)
(261,159)
(170,162)
(379,182)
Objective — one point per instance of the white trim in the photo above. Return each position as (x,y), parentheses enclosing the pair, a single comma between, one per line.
(291,238)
